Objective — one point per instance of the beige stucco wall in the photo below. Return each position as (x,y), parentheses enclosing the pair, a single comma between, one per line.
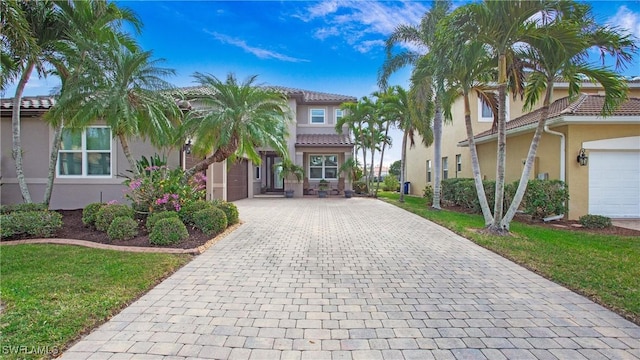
(68,193)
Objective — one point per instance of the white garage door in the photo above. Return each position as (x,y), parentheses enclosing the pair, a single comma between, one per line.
(614,183)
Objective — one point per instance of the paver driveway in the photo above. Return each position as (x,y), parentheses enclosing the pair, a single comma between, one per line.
(356,279)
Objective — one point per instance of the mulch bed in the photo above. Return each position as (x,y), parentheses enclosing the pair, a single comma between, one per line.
(73,228)
(562,224)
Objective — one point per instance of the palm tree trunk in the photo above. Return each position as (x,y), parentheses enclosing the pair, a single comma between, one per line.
(403,161)
(475,164)
(53,160)
(127,153)
(528,166)
(219,155)
(384,144)
(373,153)
(498,207)
(15,125)
(364,166)
(437,152)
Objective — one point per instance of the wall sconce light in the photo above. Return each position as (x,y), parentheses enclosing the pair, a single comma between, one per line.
(582,158)
(187,147)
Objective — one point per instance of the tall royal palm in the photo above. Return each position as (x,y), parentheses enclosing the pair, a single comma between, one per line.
(235,118)
(562,53)
(130,94)
(356,116)
(422,36)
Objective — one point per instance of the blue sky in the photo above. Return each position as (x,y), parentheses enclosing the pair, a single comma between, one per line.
(334,46)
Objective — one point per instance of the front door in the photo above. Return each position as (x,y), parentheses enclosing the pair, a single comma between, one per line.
(274,179)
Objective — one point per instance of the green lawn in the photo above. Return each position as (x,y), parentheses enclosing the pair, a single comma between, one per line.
(51,294)
(604,268)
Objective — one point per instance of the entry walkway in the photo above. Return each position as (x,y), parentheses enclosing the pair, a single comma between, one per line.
(356,279)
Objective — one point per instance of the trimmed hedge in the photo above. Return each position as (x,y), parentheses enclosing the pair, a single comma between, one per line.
(108,213)
(168,231)
(157,216)
(90,212)
(189,209)
(122,228)
(31,223)
(231,210)
(545,197)
(11,208)
(595,221)
(210,221)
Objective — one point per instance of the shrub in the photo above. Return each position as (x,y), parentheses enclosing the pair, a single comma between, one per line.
(231,210)
(360,187)
(390,183)
(595,221)
(156,216)
(31,223)
(168,231)
(544,198)
(210,221)
(90,212)
(189,209)
(108,213)
(7,209)
(122,228)
(427,194)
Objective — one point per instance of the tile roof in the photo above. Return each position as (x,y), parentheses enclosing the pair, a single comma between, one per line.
(583,105)
(323,140)
(34,103)
(305,96)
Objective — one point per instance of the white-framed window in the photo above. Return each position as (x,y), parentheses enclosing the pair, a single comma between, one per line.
(445,168)
(339,114)
(85,153)
(428,171)
(258,172)
(317,116)
(323,167)
(458,164)
(485,114)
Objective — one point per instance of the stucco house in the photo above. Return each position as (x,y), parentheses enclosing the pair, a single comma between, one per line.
(609,183)
(91,165)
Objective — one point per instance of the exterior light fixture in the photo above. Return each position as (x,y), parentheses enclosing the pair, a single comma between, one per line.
(187,147)
(582,158)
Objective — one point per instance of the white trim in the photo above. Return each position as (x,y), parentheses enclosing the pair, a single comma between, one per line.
(335,115)
(324,116)
(625,143)
(483,119)
(323,166)
(84,153)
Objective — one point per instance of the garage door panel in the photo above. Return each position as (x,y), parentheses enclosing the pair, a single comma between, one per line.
(614,183)
(237,181)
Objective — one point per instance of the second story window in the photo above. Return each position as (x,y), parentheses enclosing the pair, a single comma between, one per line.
(339,114)
(317,116)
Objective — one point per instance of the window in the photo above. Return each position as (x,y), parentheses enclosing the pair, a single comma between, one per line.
(317,116)
(428,170)
(458,164)
(485,114)
(445,168)
(258,172)
(85,153)
(323,167)
(339,114)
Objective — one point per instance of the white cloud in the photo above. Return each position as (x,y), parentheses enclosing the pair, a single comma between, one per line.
(258,52)
(626,20)
(355,21)
(365,46)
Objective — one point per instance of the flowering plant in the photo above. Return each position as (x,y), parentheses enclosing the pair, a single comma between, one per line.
(158,188)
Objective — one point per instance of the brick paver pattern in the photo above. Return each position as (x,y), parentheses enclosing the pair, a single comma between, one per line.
(356,279)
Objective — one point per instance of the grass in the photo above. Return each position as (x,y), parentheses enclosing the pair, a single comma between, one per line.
(603,267)
(52,294)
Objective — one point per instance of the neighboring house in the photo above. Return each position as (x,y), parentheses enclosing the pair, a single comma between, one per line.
(91,165)
(313,144)
(608,185)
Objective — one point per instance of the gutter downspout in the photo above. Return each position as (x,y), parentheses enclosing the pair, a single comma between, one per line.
(563,165)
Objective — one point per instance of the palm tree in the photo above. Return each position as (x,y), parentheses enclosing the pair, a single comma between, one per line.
(501,25)
(15,40)
(25,55)
(235,119)
(563,54)
(128,92)
(356,116)
(87,26)
(422,36)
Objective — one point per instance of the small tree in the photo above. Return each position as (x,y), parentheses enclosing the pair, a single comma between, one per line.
(287,169)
